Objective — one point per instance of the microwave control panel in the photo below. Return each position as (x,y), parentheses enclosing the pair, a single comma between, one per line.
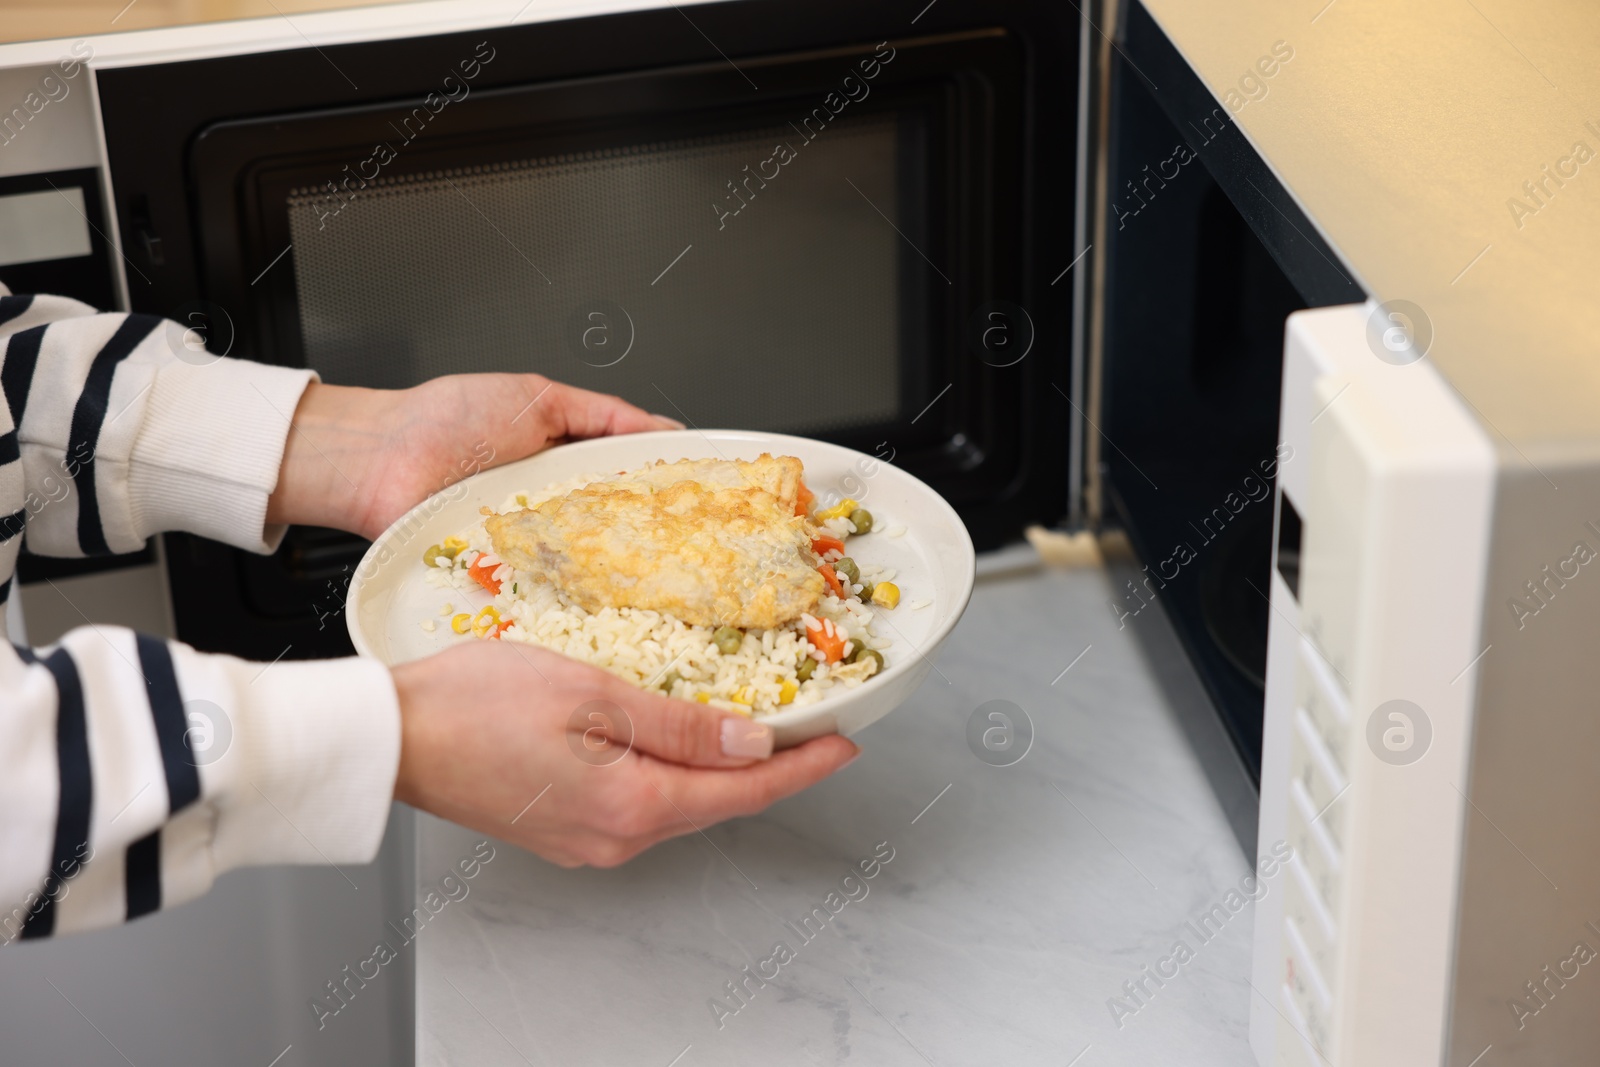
(1370,700)
(1318,763)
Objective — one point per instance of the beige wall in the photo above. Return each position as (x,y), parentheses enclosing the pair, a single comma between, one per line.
(36,20)
(1407,131)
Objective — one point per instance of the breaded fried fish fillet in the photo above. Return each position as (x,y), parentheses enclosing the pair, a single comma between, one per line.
(713,542)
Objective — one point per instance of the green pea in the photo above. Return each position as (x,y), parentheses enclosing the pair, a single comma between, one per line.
(866,592)
(672,679)
(869,653)
(803,671)
(853,649)
(727,639)
(847,567)
(433,553)
(861,519)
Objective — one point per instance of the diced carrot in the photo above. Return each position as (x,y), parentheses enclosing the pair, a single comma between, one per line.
(824,543)
(504,625)
(803,503)
(832,579)
(828,641)
(484,575)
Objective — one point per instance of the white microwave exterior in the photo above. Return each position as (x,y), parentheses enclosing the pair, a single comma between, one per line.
(1396,487)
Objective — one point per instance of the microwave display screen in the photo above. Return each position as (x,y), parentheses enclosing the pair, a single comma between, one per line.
(49,224)
(755,272)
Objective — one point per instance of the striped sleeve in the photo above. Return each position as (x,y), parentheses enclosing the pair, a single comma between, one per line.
(134,771)
(124,430)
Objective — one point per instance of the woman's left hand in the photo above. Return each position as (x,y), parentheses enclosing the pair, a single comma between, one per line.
(358,459)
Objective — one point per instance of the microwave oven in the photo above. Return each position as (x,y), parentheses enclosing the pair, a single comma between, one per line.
(594,198)
(1063,263)
(840,233)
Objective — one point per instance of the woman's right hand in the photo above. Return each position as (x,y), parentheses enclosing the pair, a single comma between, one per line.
(489,726)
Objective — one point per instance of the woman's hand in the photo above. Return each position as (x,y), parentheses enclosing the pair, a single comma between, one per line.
(489,727)
(357,459)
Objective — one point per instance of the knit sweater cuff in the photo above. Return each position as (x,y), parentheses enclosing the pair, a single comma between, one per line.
(207,456)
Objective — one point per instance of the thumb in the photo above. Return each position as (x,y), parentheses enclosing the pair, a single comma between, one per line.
(580,413)
(696,735)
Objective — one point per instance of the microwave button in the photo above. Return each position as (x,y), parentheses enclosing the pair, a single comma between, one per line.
(1315,908)
(1327,849)
(1317,747)
(1328,680)
(1325,713)
(1295,1034)
(1303,769)
(1314,847)
(1306,966)
(1323,951)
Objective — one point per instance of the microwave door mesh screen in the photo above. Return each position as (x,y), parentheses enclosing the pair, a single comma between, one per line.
(629,271)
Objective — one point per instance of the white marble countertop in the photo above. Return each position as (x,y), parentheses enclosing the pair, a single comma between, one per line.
(1018,901)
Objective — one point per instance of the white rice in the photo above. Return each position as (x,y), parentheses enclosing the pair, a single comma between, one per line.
(643,647)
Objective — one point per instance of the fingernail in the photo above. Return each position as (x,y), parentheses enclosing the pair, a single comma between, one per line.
(743,739)
(674,423)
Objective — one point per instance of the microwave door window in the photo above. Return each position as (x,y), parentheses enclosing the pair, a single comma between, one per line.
(751,280)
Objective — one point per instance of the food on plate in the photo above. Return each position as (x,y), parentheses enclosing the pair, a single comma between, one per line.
(712,542)
(712,580)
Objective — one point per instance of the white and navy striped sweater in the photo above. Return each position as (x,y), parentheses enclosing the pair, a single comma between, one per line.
(108,808)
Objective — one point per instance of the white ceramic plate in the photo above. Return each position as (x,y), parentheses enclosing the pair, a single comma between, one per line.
(390,596)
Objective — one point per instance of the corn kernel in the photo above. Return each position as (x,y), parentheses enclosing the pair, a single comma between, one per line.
(452,547)
(787,691)
(704,698)
(461,623)
(838,511)
(486,620)
(886,594)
